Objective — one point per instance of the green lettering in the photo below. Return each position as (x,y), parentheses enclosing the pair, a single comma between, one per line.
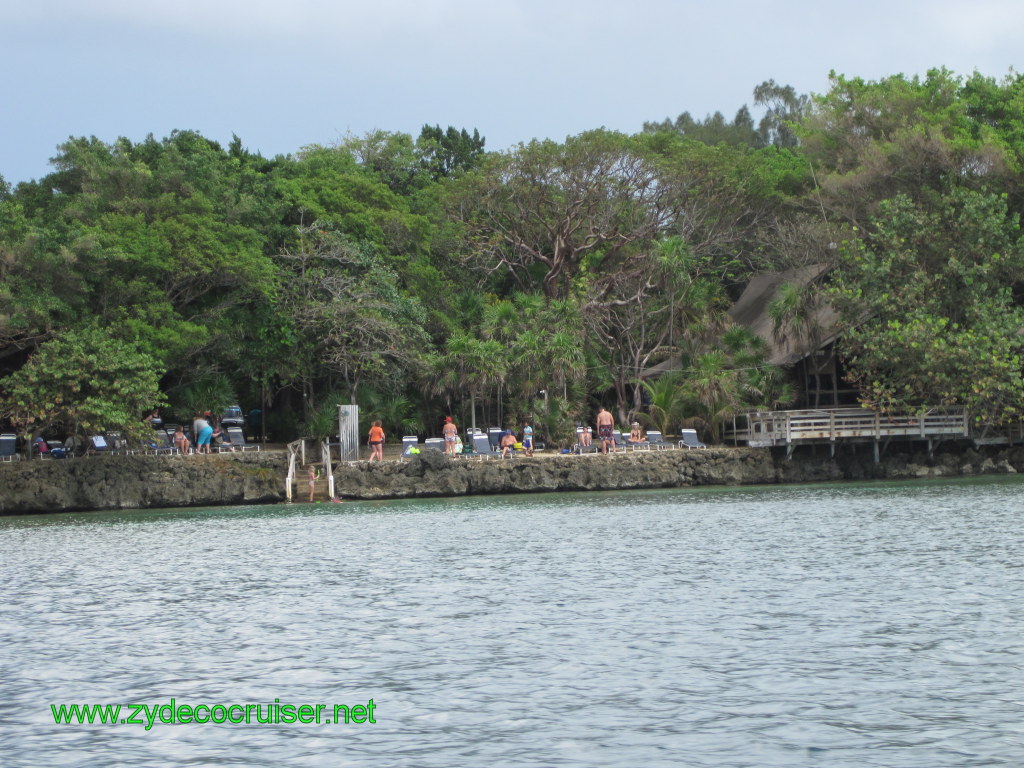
(167,713)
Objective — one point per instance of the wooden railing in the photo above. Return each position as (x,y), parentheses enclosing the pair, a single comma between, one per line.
(325,455)
(769,428)
(296,450)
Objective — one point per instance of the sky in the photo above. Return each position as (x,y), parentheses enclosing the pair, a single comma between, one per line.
(284,74)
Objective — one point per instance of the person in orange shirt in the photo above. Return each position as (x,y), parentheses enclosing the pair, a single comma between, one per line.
(376,442)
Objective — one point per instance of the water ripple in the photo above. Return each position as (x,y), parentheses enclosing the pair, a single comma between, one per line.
(842,625)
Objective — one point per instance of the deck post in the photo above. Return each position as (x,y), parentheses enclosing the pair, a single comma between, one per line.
(875,444)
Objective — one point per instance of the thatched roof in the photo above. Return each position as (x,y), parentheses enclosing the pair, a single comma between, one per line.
(751,311)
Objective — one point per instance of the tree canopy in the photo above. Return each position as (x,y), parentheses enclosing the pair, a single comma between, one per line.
(423,275)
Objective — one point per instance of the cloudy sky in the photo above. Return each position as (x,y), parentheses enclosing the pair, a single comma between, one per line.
(284,74)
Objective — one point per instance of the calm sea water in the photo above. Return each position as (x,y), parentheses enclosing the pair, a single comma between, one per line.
(838,625)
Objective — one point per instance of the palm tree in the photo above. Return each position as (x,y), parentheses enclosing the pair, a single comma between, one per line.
(468,363)
(714,390)
(396,411)
(213,393)
(667,396)
(793,315)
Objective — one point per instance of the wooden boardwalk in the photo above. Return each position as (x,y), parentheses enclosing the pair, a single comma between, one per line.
(849,425)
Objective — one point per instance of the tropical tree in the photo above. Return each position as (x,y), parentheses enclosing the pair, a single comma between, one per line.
(467,364)
(449,152)
(666,402)
(397,413)
(930,293)
(208,392)
(85,381)
(915,137)
(538,211)
(357,322)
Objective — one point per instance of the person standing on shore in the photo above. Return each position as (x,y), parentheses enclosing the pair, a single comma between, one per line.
(376,441)
(527,438)
(450,432)
(202,431)
(605,427)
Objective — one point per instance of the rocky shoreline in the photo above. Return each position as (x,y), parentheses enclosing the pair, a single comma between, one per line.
(141,482)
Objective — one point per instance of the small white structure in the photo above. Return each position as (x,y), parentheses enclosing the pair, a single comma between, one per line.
(348,432)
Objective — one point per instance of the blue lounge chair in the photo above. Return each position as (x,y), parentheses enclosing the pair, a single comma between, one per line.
(689,439)
(655,441)
(408,442)
(482,446)
(512,451)
(160,443)
(237,439)
(580,448)
(434,444)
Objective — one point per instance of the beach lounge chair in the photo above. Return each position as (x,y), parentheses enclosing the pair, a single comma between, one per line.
(56,449)
(494,436)
(655,441)
(434,444)
(580,448)
(622,442)
(9,447)
(227,442)
(237,439)
(689,439)
(73,446)
(160,443)
(117,444)
(409,441)
(512,453)
(42,448)
(98,444)
(482,446)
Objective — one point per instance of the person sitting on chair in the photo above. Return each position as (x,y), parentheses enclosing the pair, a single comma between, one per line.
(636,434)
(180,441)
(507,443)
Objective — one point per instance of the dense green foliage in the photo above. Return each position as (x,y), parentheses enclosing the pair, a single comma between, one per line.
(425,276)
